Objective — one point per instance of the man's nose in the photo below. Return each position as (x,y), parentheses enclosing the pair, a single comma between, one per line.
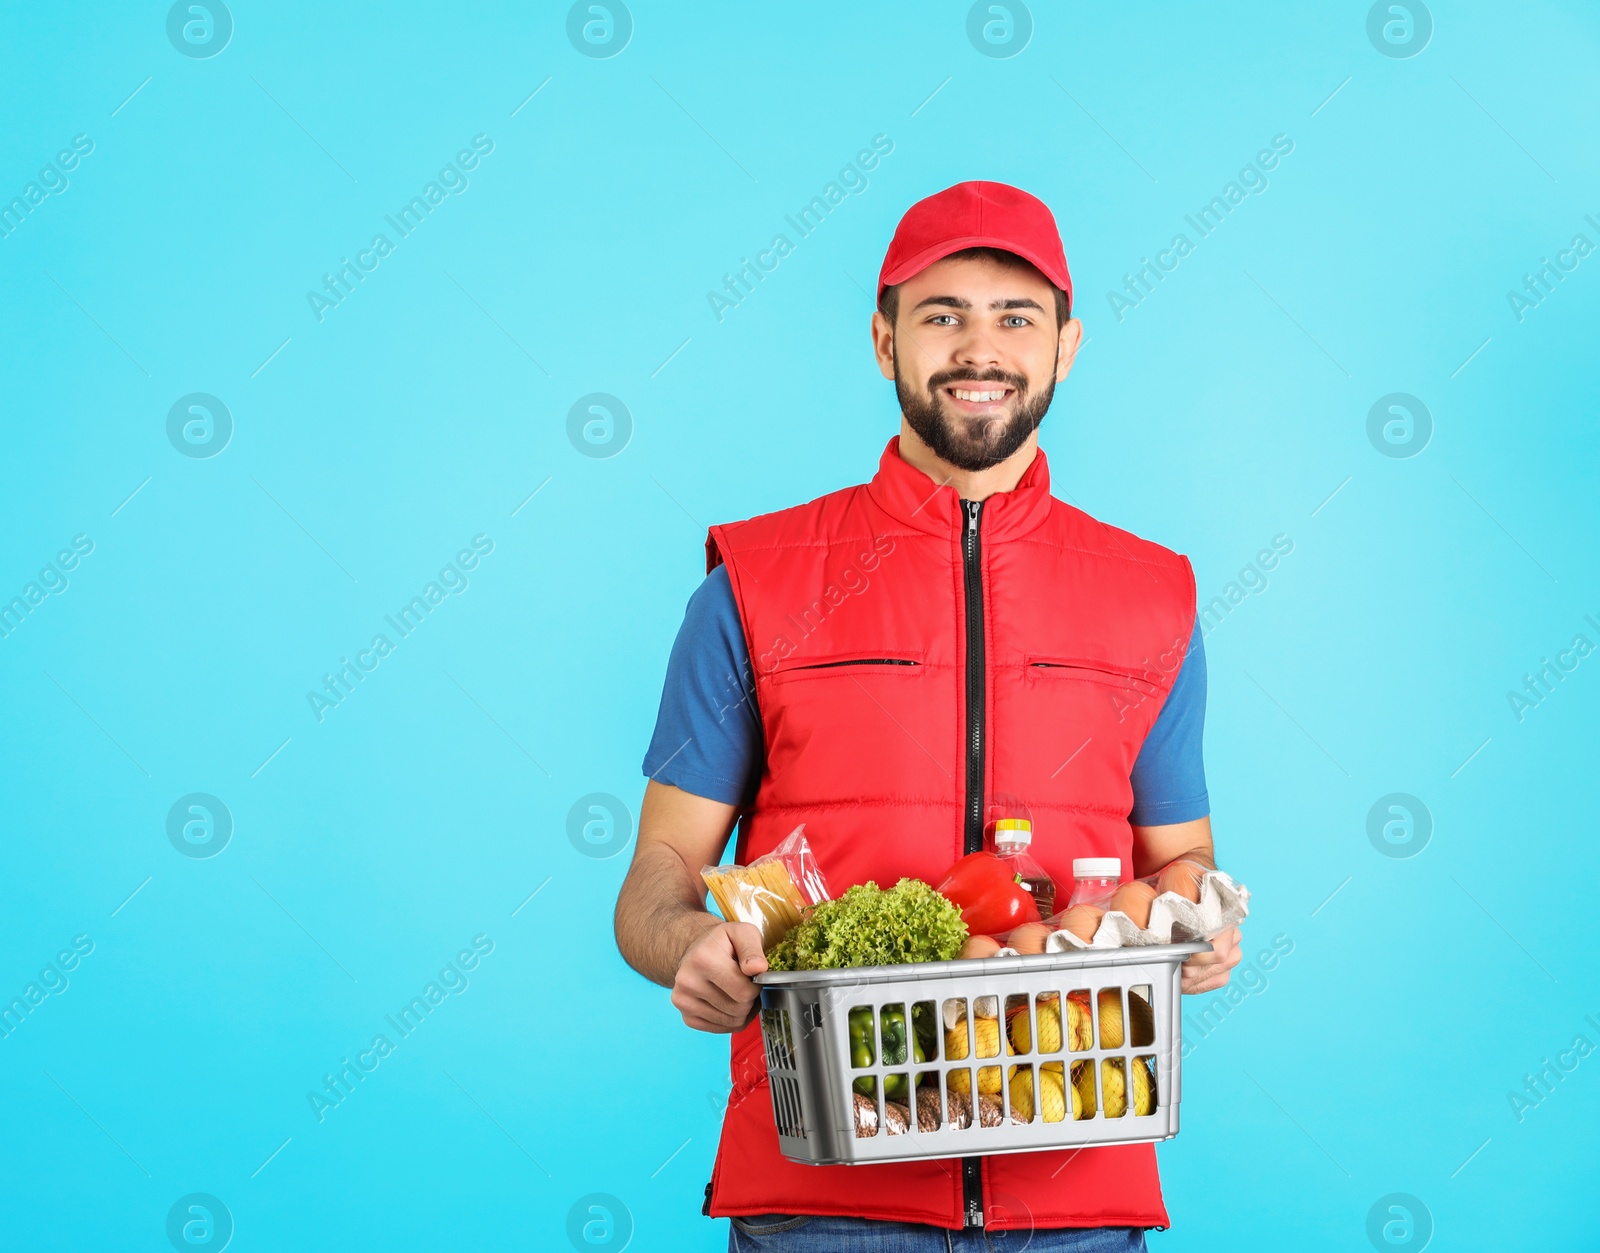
(979,348)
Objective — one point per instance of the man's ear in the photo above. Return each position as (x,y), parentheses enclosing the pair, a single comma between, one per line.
(883,344)
(1068,342)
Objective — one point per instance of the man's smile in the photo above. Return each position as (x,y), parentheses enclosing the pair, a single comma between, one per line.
(978,396)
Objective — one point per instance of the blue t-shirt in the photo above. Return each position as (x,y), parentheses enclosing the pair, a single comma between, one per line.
(708,737)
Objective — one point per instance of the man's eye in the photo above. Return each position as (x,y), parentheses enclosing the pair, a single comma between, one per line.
(943,319)
(1016,319)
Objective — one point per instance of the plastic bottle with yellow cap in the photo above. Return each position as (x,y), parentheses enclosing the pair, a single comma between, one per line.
(1012,838)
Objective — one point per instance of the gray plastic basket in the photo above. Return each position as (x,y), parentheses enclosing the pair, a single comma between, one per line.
(806,1028)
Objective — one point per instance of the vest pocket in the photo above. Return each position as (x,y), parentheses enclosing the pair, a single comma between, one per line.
(878,663)
(858,661)
(1092,672)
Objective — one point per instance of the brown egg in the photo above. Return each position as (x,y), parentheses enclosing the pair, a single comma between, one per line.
(1134,900)
(1182,877)
(1029,937)
(1083,921)
(980,946)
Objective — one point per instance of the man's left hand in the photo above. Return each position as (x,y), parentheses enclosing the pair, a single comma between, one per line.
(1206,972)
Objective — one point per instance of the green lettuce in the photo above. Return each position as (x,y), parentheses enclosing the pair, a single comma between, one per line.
(868,926)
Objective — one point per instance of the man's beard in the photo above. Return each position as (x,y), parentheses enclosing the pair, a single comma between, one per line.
(971,443)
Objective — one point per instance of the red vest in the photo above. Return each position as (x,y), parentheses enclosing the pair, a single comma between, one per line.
(873,619)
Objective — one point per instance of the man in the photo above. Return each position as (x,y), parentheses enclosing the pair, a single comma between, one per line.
(888,663)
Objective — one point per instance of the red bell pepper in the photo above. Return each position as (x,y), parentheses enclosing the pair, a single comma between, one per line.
(989,894)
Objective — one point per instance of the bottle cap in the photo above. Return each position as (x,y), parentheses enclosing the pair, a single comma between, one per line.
(1018,831)
(1097,868)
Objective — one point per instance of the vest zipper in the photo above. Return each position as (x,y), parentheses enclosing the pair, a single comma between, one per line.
(972,841)
(972,569)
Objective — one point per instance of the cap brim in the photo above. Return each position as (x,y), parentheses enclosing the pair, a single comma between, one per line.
(920,261)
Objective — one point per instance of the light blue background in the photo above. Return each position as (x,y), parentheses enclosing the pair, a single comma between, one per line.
(426,809)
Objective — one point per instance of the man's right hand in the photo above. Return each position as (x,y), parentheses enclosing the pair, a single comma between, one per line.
(714,988)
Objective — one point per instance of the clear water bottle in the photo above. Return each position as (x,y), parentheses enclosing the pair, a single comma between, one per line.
(1094,879)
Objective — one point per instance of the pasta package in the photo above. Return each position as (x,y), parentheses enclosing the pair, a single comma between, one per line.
(772,890)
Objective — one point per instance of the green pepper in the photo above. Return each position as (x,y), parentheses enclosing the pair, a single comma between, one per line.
(926,1030)
(898,1087)
(894,1036)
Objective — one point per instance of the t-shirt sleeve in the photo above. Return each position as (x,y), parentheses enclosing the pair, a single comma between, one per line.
(1169,775)
(708,737)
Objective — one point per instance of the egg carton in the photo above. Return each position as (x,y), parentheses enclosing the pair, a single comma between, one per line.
(1174,919)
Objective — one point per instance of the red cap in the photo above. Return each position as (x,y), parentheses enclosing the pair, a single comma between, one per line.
(976,215)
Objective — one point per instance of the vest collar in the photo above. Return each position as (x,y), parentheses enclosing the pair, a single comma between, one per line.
(910,496)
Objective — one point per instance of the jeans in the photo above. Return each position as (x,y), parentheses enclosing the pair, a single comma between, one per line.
(804,1233)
